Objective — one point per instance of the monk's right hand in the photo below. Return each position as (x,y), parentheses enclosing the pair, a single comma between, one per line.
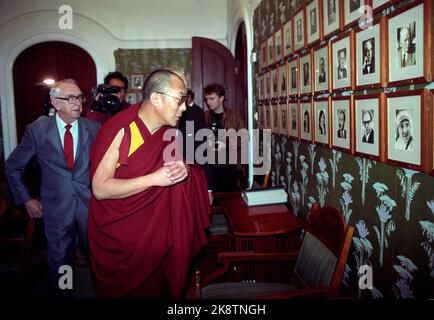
(34,208)
(160,178)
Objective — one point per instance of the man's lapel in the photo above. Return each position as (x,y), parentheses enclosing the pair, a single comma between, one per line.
(53,135)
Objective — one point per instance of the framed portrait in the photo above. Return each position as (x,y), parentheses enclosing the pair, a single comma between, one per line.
(293,84)
(293,118)
(261,87)
(276,122)
(321,68)
(409,48)
(268,123)
(313,14)
(264,58)
(267,81)
(341,123)
(274,83)
(136,81)
(270,51)
(282,80)
(287,38)
(368,125)
(278,45)
(306,121)
(406,129)
(283,118)
(370,57)
(299,28)
(261,116)
(331,17)
(380,5)
(321,115)
(305,74)
(133,97)
(353,11)
(342,61)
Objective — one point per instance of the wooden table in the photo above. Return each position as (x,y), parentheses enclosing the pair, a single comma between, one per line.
(264,228)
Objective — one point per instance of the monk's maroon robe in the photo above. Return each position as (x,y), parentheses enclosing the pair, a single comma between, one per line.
(161,227)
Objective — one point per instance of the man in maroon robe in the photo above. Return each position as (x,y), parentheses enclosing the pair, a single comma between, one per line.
(147,217)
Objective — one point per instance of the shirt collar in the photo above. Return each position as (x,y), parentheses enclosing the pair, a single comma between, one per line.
(62,124)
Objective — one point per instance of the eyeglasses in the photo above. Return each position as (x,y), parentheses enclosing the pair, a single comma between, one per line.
(181,99)
(73,99)
(366,122)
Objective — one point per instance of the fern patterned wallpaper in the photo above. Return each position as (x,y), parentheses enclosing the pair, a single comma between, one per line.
(143,61)
(392,209)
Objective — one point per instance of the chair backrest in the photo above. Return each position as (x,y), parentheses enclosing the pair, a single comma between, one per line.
(324,250)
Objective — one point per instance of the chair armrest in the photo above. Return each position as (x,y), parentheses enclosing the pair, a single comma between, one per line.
(303,293)
(250,256)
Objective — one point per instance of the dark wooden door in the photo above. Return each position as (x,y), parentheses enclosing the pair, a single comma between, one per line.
(213,62)
(56,60)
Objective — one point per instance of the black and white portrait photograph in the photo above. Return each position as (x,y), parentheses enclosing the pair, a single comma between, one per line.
(264,58)
(321,68)
(267,117)
(270,45)
(305,74)
(352,14)
(287,38)
(330,19)
(293,129)
(406,44)
(299,30)
(278,44)
(321,121)
(341,59)
(341,123)
(404,127)
(368,56)
(276,123)
(282,80)
(136,81)
(275,83)
(283,119)
(267,80)
(132,97)
(306,121)
(342,64)
(293,77)
(261,87)
(367,125)
(312,22)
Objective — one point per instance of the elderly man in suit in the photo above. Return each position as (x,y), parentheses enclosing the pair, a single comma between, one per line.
(61,145)
(406,56)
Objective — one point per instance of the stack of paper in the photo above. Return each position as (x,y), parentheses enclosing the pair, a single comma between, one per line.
(264,196)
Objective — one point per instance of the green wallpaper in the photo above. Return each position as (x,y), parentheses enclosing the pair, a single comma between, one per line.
(143,61)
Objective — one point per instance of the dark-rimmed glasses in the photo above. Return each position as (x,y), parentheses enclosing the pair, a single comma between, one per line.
(73,99)
(181,99)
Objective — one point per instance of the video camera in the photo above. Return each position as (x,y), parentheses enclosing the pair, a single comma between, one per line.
(106,100)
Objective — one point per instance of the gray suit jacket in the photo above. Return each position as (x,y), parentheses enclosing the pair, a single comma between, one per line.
(63,193)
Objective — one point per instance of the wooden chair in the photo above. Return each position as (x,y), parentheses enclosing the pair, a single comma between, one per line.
(318,271)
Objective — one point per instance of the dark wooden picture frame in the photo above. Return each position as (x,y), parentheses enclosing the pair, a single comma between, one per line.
(283,80)
(306,121)
(341,137)
(294,116)
(406,129)
(322,124)
(368,111)
(293,78)
(370,55)
(332,17)
(299,27)
(283,118)
(409,44)
(270,50)
(313,14)
(342,49)
(321,69)
(305,74)
(287,35)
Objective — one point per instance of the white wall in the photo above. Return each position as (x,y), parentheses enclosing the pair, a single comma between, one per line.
(100,27)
